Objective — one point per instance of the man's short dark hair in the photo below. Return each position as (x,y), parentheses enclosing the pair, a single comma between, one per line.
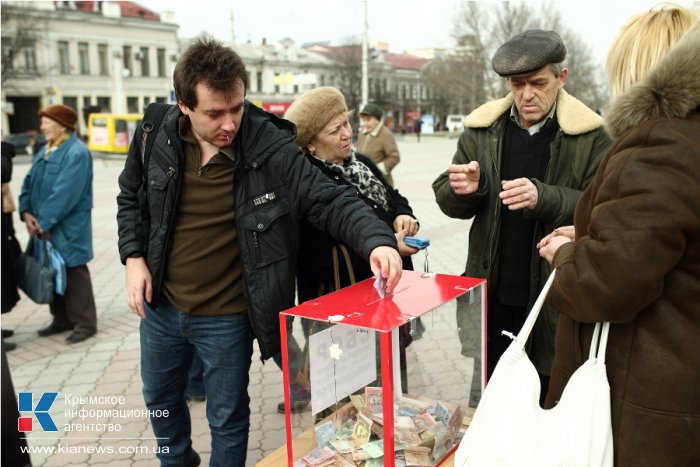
(209,62)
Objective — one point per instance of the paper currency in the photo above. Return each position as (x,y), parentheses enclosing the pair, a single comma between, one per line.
(407,438)
(343,446)
(362,430)
(404,423)
(374,448)
(324,433)
(441,414)
(418,458)
(373,398)
(358,401)
(342,461)
(318,456)
(423,422)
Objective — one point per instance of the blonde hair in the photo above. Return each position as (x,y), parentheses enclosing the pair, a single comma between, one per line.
(643,41)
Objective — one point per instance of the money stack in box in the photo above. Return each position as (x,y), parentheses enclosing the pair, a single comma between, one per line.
(375,380)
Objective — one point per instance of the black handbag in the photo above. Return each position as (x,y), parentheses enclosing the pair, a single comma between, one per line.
(35,275)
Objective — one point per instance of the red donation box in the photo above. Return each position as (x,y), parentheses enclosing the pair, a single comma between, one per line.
(383,381)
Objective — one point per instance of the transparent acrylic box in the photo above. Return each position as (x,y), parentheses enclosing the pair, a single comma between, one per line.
(347,353)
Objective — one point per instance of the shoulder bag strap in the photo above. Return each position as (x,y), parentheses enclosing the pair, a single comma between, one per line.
(336,265)
(150,124)
(524,333)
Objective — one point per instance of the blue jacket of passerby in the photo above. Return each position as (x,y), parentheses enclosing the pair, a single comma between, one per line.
(58,192)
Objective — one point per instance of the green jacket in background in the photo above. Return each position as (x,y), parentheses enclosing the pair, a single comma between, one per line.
(575,153)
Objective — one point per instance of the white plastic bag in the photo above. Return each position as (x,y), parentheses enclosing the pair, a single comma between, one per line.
(509,428)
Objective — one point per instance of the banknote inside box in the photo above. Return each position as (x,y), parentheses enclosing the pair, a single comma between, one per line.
(383,381)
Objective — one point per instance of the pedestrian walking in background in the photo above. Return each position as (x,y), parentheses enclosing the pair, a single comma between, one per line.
(520,167)
(635,261)
(56,204)
(376,141)
(209,234)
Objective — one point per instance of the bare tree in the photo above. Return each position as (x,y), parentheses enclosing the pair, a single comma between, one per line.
(20,32)
(492,24)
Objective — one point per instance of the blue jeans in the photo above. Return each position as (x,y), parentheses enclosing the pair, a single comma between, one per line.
(195,378)
(169,339)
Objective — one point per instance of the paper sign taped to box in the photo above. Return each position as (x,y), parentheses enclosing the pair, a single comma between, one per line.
(334,374)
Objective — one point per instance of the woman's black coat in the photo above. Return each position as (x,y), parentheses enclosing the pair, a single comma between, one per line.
(315,266)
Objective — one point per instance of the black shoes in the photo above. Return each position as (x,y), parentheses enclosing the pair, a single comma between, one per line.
(295,407)
(52,329)
(79,336)
(8,333)
(9,346)
(196,460)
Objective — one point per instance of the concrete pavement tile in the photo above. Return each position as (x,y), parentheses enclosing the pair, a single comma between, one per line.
(128,354)
(144,463)
(68,458)
(70,357)
(118,376)
(124,463)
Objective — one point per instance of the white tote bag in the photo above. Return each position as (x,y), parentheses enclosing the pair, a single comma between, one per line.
(509,428)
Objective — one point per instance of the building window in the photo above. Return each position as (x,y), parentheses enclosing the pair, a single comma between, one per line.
(161,62)
(277,86)
(126,56)
(87,102)
(162,100)
(104,103)
(63,58)
(132,104)
(146,101)
(30,56)
(7,58)
(84,58)
(102,54)
(71,101)
(143,58)
(259,81)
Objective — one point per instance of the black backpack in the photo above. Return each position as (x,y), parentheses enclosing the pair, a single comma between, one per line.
(150,124)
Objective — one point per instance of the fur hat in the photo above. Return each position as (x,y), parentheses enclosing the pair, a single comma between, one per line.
(312,111)
(62,114)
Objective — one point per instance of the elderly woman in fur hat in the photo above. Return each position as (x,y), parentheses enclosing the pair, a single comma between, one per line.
(325,136)
(633,256)
(56,203)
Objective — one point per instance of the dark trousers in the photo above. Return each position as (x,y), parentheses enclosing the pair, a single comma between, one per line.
(501,317)
(506,318)
(13,441)
(76,308)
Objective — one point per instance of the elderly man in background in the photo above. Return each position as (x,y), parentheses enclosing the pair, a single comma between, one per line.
(521,165)
(376,141)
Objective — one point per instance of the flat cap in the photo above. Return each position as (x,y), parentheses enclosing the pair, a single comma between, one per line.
(373,110)
(528,52)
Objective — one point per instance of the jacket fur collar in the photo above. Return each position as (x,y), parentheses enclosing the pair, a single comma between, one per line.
(670,90)
(573,116)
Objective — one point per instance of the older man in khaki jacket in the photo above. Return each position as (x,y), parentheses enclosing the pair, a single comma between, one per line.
(376,141)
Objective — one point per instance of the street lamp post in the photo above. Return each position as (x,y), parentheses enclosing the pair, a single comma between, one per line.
(365,41)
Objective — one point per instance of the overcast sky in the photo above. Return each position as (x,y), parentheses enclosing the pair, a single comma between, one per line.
(404,24)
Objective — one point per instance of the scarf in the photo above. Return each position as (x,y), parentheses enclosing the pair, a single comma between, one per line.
(359,175)
(51,147)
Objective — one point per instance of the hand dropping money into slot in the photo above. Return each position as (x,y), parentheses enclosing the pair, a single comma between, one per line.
(380,287)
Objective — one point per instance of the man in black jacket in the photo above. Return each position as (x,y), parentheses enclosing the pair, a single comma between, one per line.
(209,233)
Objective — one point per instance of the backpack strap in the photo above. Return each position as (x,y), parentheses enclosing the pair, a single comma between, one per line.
(150,124)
